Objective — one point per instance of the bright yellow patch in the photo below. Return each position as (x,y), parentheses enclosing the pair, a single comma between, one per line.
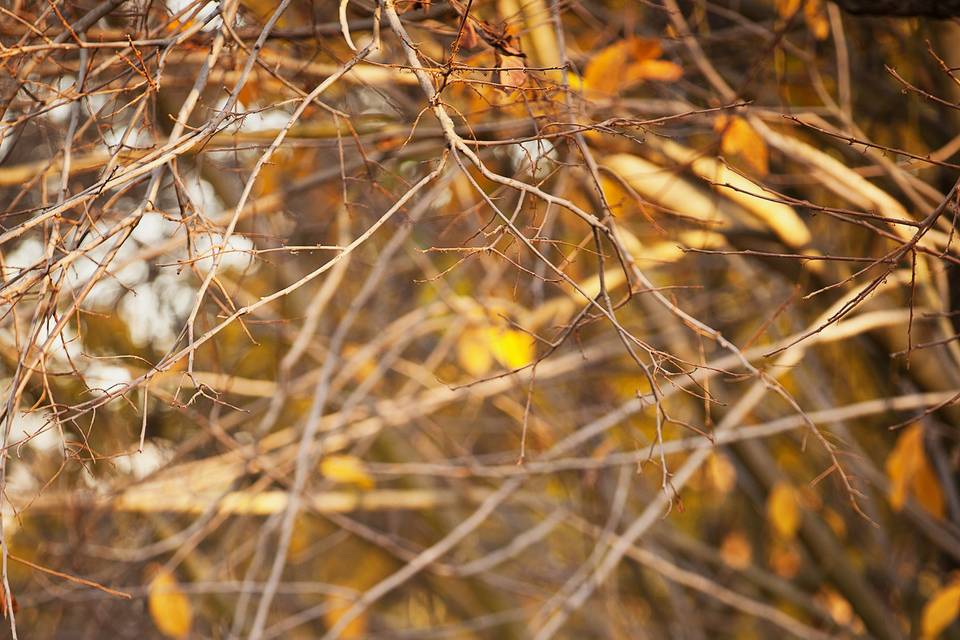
(169,607)
(347,470)
(942,609)
(783,510)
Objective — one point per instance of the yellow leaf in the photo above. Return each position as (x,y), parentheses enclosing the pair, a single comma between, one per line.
(941,610)
(473,354)
(513,349)
(575,82)
(740,139)
(735,550)
(910,473)
(722,474)
(346,470)
(624,63)
(815,17)
(169,607)
(783,510)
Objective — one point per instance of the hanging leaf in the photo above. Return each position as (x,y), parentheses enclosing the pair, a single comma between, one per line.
(740,139)
(783,510)
(473,353)
(347,470)
(941,610)
(721,473)
(169,607)
(910,473)
(735,550)
(469,38)
(513,349)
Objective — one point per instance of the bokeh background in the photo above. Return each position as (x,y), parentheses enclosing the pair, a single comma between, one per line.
(479,319)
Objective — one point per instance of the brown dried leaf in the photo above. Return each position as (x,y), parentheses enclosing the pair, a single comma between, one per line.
(512,74)
(468,37)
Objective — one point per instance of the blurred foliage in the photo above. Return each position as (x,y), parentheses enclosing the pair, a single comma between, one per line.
(479,319)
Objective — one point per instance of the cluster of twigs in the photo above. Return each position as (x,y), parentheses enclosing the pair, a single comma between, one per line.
(394,319)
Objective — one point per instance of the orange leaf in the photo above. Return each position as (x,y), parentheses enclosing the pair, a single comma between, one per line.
(469,38)
(735,550)
(784,560)
(941,610)
(840,609)
(815,17)
(740,139)
(910,473)
(662,70)
(626,63)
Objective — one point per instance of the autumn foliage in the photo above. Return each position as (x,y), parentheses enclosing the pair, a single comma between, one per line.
(478,319)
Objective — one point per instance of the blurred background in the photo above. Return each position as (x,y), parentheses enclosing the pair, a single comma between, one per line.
(479,319)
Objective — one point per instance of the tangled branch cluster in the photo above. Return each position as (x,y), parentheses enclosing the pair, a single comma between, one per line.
(476,318)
